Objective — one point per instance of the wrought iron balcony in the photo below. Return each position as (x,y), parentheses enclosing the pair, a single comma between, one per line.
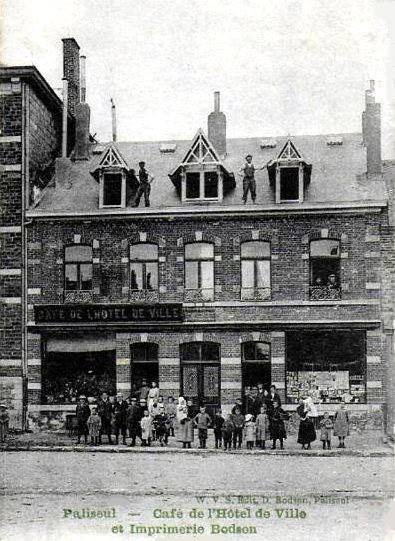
(325,293)
(199,295)
(256,293)
(78,296)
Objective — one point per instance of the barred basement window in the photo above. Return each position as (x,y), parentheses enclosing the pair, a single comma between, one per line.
(143,266)
(78,268)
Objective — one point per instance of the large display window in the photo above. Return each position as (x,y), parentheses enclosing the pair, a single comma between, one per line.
(329,366)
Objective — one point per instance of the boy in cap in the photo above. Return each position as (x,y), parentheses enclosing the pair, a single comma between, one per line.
(120,409)
(248,173)
(4,420)
(145,180)
(94,426)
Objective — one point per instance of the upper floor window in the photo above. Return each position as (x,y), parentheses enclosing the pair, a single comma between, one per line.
(143,266)
(325,269)
(78,268)
(199,267)
(255,269)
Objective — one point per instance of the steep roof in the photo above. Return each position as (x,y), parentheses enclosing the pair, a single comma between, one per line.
(337,172)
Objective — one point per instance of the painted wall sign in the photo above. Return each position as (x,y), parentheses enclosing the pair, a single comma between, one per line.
(107,313)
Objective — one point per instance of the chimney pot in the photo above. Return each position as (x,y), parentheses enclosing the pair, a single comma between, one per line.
(216,127)
(371,132)
(114,121)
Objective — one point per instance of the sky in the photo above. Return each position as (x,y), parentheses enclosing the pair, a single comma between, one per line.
(282,66)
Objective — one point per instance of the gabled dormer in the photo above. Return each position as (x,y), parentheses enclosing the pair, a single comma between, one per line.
(112,174)
(201,176)
(289,174)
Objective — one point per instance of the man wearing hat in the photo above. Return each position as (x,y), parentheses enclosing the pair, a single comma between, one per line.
(82,413)
(145,179)
(120,409)
(105,410)
(248,173)
(133,420)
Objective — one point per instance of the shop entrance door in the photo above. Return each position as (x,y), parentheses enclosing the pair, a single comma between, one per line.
(144,365)
(200,374)
(255,369)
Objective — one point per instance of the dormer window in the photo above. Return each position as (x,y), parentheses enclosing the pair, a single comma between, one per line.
(112,173)
(289,174)
(201,176)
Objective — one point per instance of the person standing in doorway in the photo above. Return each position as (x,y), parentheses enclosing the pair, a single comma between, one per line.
(248,174)
(145,180)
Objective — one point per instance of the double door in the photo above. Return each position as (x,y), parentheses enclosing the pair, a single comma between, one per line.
(200,382)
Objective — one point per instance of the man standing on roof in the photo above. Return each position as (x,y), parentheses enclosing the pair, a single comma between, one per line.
(145,179)
(248,174)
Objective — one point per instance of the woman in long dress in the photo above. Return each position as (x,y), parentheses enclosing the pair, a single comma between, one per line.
(181,414)
(306,433)
(341,425)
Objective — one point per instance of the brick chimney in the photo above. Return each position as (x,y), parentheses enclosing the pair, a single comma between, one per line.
(71,70)
(371,131)
(216,127)
(82,118)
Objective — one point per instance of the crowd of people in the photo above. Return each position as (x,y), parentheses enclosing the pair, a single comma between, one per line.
(147,417)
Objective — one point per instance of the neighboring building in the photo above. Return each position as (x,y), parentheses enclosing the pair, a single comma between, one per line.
(205,294)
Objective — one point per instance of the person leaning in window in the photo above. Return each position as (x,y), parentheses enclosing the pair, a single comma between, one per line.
(144,187)
(248,174)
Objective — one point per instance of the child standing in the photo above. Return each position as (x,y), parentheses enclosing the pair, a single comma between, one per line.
(170,410)
(238,423)
(146,429)
(4,420)
(185,432)
(341,425)
(250,431)
(326,427)
(218,424)
(202,422)
(94,426)
(262,428)
(227,432)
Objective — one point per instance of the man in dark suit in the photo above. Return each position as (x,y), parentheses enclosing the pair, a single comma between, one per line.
(105,410)
(272,397)
(120,414)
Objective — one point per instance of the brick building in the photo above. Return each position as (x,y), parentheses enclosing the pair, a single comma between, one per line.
(204,293)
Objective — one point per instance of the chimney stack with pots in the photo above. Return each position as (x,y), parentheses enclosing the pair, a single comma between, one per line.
(82,117)
(71,70)
(64,117)
(216,127)
(371,131)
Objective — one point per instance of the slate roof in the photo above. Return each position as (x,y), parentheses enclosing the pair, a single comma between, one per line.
(337,172)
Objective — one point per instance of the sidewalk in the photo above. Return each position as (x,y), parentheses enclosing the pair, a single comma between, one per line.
(368,443)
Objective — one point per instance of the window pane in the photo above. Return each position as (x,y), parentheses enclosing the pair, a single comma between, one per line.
(193,185)
(151,276)
(289,183)
(86,276)
(325,248)
(255,250)
(190,352)
(207,274)
(263,273)
(210,351)
(112,189)
(71,277)
(78,253)
(325,272)
(247,274)
(144,352)
(144,252)
(211,184)
(136,276)
(191,275)
(199,250)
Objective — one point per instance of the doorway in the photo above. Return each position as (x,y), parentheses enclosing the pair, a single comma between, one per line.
(200,374)
(255,369)
(144,365)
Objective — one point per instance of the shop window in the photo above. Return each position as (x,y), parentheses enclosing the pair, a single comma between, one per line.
(78,268)
(202,185)
(143,267)
(329,366)
(289,184)
(67,375)
(255,270)
(325,269)
(199,268)
(200,374)
(113,187)
(144,365)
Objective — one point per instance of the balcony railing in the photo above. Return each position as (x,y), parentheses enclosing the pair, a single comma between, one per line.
(256,293)
(325,293)
(78,296)
(199,295)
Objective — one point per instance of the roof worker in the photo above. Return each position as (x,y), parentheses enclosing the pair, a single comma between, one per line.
(248,173)
(145,180)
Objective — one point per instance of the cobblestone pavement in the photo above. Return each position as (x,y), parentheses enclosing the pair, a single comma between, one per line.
(332,498)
